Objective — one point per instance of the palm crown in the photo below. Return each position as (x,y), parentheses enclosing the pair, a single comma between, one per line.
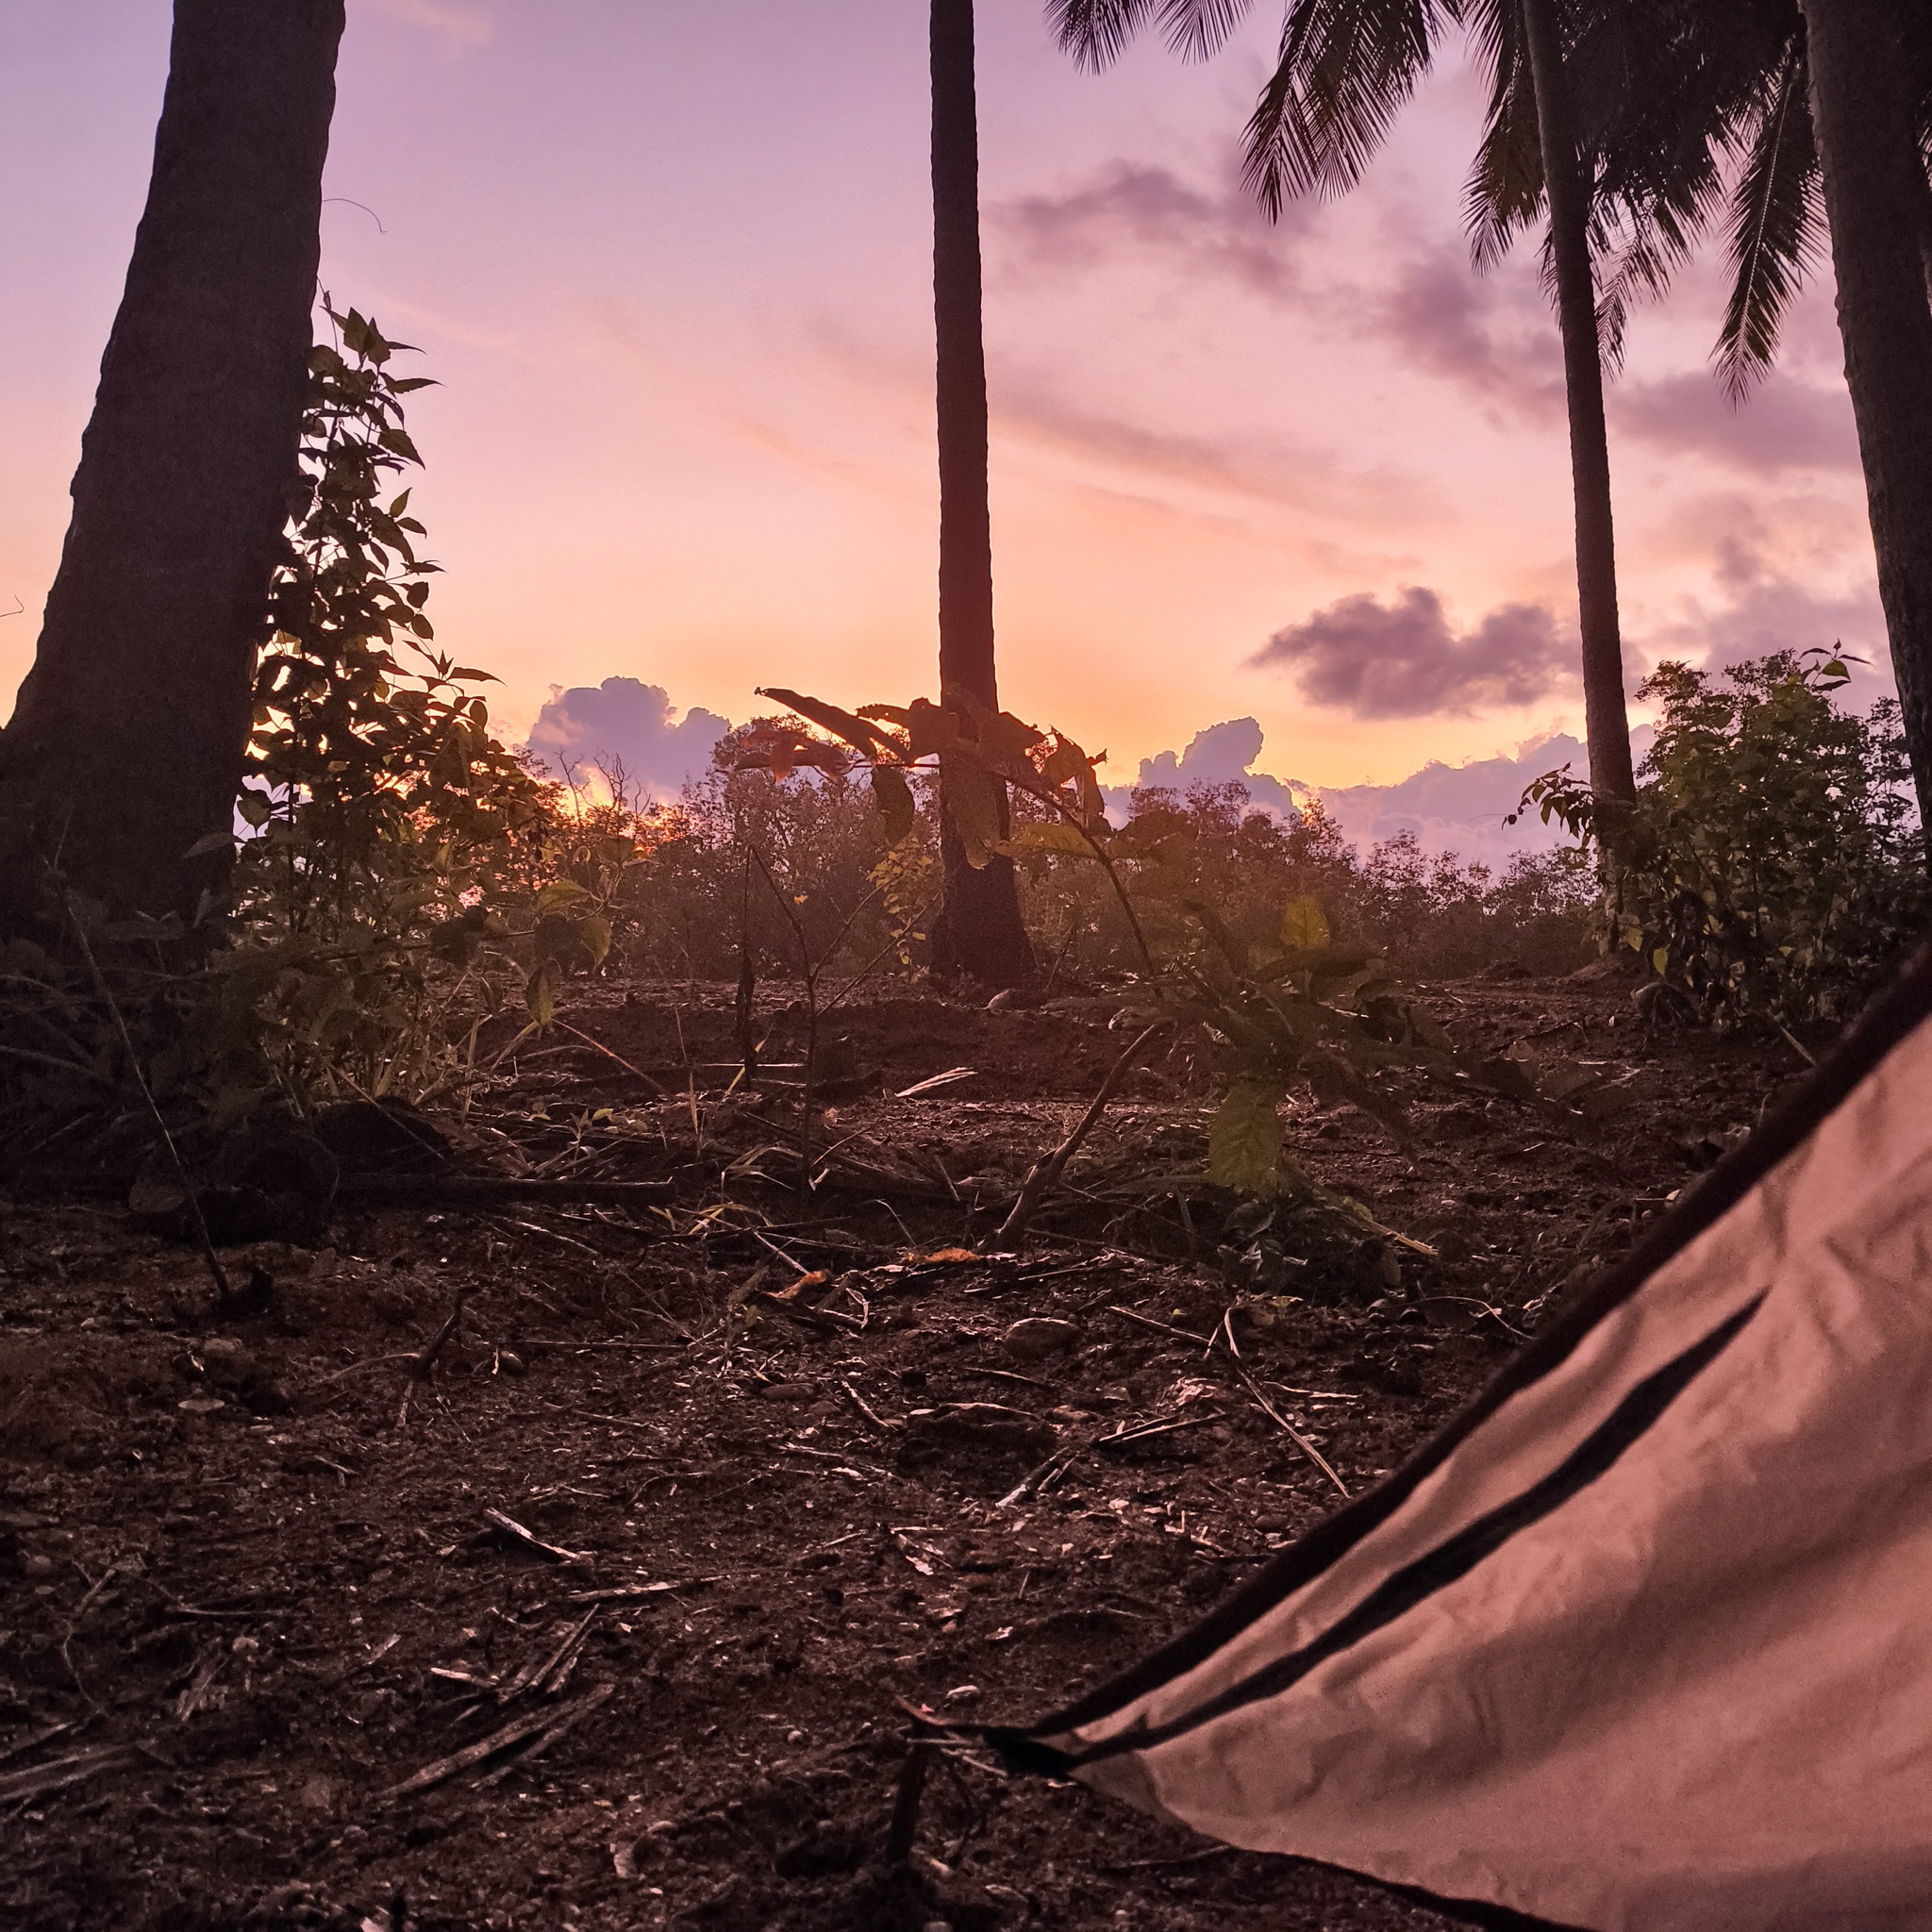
(1687,113)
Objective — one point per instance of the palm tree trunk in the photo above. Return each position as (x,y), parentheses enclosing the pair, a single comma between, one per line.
(126,741)
(1606,722)
(1875,200)
(978,929)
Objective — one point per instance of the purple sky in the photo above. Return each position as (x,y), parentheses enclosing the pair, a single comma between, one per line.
(671,264)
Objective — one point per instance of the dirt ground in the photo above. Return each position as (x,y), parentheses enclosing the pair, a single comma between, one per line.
(605,1622)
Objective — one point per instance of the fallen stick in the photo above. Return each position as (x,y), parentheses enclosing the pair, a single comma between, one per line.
(462,1189)
(36,1780)
(497,1742)
(1294,1435)
(1122,1437)
(1034,1477)
(565,1723)
(1044,1175)
(1165,1328)
(540,1669)
(656,1085)
(425,1364)
(905,1825)
(509,1526)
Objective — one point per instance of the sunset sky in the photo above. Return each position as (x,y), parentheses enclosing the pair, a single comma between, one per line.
(671,263)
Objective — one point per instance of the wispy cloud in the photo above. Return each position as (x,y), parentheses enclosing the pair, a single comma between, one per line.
(1476,331)
(463,25)
(1428,304)
(1403,659)
(1129,208)
(1755,607)
(1785,425)
(1298,476)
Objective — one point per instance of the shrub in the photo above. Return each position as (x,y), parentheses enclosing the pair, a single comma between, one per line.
(1773,864)
(1435,916)
(407,876)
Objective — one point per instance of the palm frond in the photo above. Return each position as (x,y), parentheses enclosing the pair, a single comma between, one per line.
(1636,259)
(1197,29)
(1344,69)
(1774,231)
(1097,32)
(1504,193)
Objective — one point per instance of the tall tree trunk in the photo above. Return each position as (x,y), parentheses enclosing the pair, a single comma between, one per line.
(1606,722)
(978,929)
(126,741)
(1875,201)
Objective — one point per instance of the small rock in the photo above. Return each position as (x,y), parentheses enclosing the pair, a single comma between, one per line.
(1039,1336)
(785,1391)
(963,1694)
(228,1363)
(267,1397)
(394,1306)
(983,1424)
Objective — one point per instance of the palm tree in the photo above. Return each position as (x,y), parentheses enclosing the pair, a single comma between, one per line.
(1664,113)
(1345,66)
(1871,100)
(978,929)
(126,741)
(1821,114)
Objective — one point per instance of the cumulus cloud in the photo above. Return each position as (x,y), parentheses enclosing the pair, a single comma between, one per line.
(1456,809)
(1403,660)
(1459,809)
(623,722)
(1222,754)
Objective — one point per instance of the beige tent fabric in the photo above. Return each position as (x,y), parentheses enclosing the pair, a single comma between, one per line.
(1697,1693)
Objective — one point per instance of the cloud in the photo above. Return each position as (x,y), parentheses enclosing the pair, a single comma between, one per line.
(1490,334)
(1459,809)
(1443,317)
(1456,809)
(457,24)
(1222,754)
(1301,477)
(1759,609)
(1402,659)
(624,722)
(1131,210)
(1785,425)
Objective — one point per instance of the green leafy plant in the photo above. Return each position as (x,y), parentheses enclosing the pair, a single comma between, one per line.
(1292,1006)
(406,873)
(1772,865)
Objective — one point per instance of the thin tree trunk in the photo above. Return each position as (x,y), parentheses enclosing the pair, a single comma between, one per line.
(1606,722)
(1875,201)
(126,741)
(977,930)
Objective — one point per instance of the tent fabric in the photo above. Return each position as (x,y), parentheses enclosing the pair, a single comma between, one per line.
(1644,1639)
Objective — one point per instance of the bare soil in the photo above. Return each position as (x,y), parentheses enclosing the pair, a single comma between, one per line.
(696,1493)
